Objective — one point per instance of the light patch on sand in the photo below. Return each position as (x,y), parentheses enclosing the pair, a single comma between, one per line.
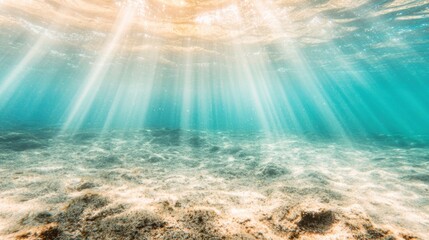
(237,185)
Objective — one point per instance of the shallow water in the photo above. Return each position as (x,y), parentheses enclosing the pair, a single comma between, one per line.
(253,119)
(241,177)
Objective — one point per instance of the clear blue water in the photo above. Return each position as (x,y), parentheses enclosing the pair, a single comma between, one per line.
(318,102)
(388,96)
(371,80)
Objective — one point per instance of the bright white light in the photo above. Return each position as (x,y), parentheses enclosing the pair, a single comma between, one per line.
(88,93)
(138,6)
(12,81)
(230,13)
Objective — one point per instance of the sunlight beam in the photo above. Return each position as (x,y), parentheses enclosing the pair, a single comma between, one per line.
(88,92)
(12,81)
(307,74)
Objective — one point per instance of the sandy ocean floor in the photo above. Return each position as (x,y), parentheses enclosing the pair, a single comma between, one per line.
(171,184)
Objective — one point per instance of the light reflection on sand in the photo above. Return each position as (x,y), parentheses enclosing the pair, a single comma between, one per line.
(234,182)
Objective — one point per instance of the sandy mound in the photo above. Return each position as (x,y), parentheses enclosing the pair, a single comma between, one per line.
(93,216)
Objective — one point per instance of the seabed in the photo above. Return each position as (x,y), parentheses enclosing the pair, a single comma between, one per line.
(214,119)
(175,184)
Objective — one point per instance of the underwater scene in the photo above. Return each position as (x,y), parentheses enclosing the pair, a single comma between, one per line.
(204,119)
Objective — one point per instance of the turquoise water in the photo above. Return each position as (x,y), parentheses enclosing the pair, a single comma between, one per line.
(370,80)
(375,94)
(233,110)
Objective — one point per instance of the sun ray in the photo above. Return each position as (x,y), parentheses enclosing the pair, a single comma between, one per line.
(39,49)
(306,74)
(187,78)
(223,119)
(12,81)
(86,95)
